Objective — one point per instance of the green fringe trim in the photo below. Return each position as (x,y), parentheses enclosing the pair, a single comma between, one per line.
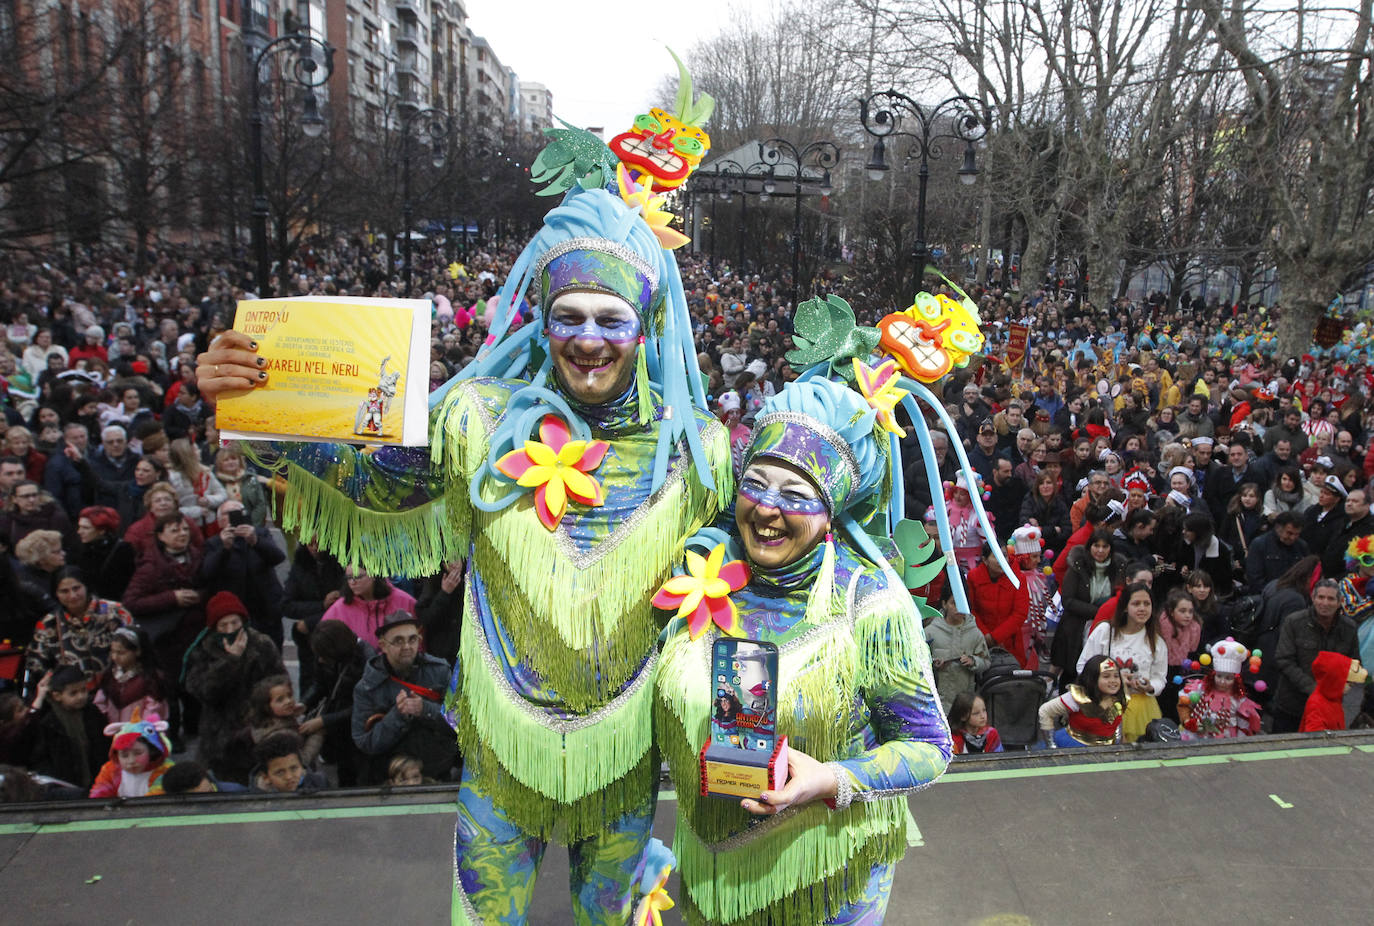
(820,678)
(890,640)
(416,542)
(564,766)
(798,872)
(533,586)
(544,816)
(585,623)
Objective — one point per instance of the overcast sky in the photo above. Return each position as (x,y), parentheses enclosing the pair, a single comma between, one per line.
(601,60)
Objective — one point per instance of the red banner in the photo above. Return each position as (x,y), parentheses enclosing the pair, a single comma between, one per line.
(1018,339)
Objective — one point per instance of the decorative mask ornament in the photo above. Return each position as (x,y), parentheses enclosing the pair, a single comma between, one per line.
(667,147)
(931,337)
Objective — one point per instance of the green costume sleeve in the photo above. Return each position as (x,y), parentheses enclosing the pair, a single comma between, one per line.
(398,510)
(913,743)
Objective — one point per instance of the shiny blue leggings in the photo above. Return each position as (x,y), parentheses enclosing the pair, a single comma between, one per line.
(496,863)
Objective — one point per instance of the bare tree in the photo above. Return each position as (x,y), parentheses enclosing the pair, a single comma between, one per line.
(1308,124)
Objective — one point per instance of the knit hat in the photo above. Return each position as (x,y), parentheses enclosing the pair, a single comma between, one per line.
(222,605)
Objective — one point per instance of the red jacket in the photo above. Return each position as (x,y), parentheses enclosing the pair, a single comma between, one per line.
(1000,610)
(1324,710)
(1076,539)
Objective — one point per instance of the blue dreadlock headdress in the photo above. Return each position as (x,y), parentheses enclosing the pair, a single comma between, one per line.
(600,223)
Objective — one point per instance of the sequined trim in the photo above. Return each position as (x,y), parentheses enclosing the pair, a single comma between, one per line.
(583,559)
(542,717)
(844,788)
(826,433)
(463,900)
(605,246)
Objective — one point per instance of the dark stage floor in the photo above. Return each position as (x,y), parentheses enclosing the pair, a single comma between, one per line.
(1273,831)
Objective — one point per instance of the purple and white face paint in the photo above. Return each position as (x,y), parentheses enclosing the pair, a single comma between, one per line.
(593,338)
(780,514)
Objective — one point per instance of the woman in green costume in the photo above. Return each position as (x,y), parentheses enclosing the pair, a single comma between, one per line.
(855,693)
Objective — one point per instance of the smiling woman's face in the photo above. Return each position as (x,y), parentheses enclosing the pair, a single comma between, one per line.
(780,513)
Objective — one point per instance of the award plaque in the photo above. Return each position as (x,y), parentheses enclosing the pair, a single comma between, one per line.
(743,755)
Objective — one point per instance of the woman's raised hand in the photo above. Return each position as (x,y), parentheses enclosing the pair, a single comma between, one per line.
(230,365)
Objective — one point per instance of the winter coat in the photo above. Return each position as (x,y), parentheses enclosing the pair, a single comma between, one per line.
(1301,638)
(948,643)
(57,755)
(381,731)
(151,600)
(364,617)
(15,526)
(1269,559)
(222,684)
(1324,709)
(80,640)
(200,498)
(1053,518)
(245,488)
(311,578)
(1000,610)
(249,572)
(109,473)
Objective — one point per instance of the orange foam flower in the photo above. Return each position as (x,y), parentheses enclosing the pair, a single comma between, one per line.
(702,594)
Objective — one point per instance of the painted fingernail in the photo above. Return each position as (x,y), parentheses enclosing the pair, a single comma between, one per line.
(253,345)
(262,374)
(262,361)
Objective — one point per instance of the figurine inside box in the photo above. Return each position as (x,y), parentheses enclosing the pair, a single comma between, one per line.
(743,755)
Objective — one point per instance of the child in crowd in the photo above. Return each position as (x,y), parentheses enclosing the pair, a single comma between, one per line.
(139,756)
(131,683)
(958,653)
(16,733)
(968,721)
(1334,674)
(1089,713)
(70,742)
(191,777)
(1217,706)
(280,768)
(404,771)
(275,708)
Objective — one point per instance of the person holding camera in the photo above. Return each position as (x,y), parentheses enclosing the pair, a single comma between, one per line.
(243,559)
(222,666)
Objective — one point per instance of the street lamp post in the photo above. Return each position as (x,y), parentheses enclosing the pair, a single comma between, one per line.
(883,115)
(306,73)
(826,155)
(434,123)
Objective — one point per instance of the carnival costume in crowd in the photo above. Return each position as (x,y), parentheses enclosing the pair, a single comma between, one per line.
(570,509)
(855,689)
(1217,706)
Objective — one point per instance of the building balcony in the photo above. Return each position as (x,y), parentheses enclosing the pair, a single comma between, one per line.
(409,9)
(408,33)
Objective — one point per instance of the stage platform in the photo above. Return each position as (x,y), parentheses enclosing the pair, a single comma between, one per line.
(1267,831)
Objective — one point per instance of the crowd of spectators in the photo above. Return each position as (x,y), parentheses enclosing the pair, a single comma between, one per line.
(142,571)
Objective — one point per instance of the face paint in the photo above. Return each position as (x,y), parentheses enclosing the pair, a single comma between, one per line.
(788,502)
(616,329)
